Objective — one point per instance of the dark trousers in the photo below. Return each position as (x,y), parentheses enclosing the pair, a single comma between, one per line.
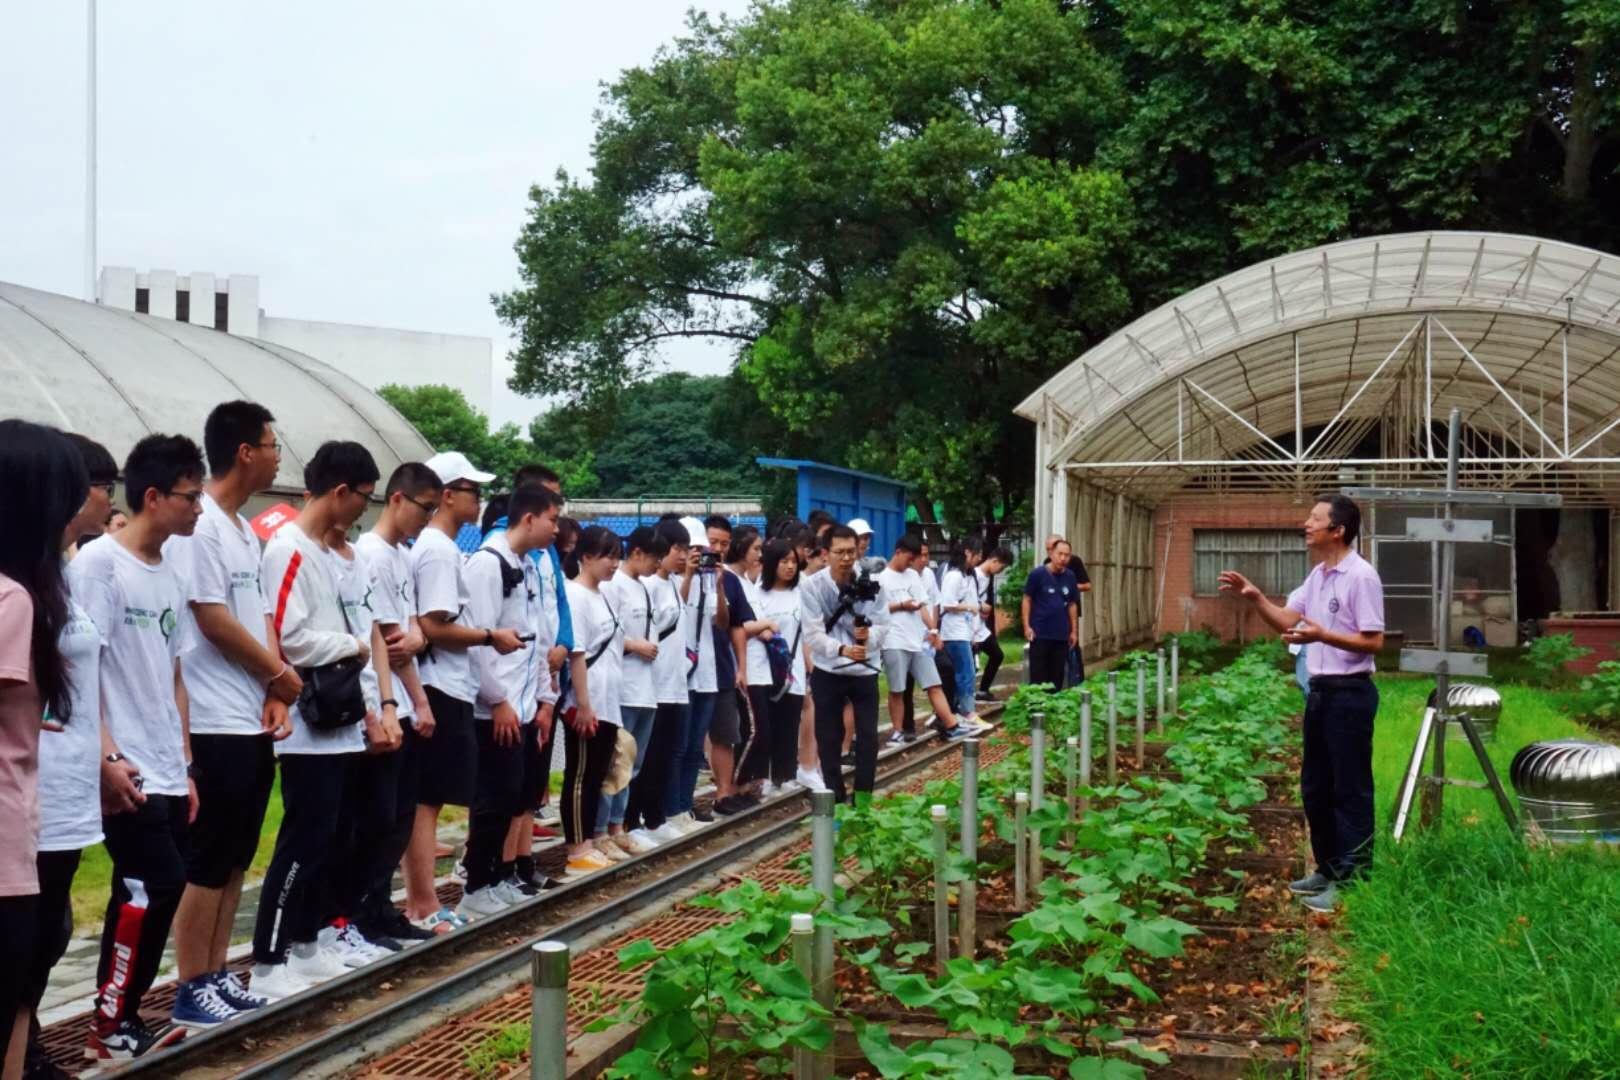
(496,801)
(148,849)
(648,790)
(1336,780)
(365,829)
(19,915)
(830,693)
(992,662)
(586,766)
(379,861)
(53,922)
(778,743)
(1048,662)
(298,888)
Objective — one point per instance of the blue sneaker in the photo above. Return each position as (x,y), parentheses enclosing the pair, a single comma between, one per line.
(198,1005)
(958,732)
(235,993)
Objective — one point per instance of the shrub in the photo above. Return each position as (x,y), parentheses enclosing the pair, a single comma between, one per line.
(1547,656)
(1600,693)
(1010,589)
(1198,648)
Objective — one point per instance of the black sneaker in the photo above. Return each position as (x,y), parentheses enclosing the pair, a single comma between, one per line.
(847,759)
(729,805)
(527,888)
(394,924)
(128,1040)
(700,814)
(984,695)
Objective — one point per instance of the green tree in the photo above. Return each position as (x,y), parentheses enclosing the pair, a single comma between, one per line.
(906,216)
(448,421)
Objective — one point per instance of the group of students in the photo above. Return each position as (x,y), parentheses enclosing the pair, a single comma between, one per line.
(155,681)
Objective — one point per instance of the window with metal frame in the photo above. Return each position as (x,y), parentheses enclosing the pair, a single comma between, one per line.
(1274,559)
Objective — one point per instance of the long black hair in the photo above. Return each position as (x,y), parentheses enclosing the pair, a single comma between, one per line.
(775,551)
(45,481)
(594,543)
(960,551)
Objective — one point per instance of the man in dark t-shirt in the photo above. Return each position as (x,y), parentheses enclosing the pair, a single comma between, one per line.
(1051,617)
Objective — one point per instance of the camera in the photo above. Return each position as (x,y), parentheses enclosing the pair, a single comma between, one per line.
(708,560)
(859,588)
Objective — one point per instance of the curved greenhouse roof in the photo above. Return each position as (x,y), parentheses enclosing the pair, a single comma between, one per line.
(117,376)
(1341,363)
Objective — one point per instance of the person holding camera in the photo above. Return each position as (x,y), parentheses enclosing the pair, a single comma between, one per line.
(845,622)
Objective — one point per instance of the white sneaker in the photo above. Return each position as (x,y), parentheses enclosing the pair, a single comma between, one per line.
(642,840)
(667,832)
(610,850)
(276,981)
(347,952)
(480,902)
(810,779)
(509,892)
(316,966)
(685,822)
(351,935)
(792,787)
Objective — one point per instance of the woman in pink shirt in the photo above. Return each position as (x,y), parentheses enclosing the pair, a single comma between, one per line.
(45,483)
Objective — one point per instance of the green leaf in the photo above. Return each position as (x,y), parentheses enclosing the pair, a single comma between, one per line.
(1095,1068)
(637,953)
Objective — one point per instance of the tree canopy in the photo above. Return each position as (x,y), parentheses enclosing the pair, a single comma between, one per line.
(907,214)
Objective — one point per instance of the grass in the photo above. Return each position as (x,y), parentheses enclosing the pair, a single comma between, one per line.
(500,1050)
(1528,715)
(1471,954)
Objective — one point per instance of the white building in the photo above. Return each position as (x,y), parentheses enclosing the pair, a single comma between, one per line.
(371,355)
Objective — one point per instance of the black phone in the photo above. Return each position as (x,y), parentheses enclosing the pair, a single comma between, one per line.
(525,637)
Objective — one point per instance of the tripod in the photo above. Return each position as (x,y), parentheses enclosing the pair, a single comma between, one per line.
(1447,531)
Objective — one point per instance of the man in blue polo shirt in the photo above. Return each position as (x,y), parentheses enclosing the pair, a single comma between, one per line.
(1051,615)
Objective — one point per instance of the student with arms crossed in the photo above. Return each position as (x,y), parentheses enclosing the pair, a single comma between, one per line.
(149,799)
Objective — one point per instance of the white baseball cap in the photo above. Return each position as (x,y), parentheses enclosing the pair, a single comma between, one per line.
(861,527)
(696,532)
(452,465)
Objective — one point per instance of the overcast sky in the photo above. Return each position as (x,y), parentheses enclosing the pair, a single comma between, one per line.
(369,161)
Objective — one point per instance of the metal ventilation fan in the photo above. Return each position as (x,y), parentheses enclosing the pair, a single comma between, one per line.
(1570,788)
(1482,703)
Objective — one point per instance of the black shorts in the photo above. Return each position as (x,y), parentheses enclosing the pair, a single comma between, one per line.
(536,768)
(726,727)
(234,774)
(450,771)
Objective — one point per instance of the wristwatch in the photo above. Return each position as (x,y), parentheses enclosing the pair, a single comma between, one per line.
(489,637)
(191,770)
(387,701)
(113,759)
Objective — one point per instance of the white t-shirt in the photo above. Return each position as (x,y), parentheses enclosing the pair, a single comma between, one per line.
(357,586)
(905,627)
(594,624)
(70,759)
(698,619)
(312,629)
(669,670)
(440,586)
(395,598)
(139,610)
(219,564)
(786,609)
(981,629)
(516,677)
(632,599)
(961,588)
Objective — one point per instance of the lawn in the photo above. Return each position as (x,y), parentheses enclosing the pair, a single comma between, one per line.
(1469,953)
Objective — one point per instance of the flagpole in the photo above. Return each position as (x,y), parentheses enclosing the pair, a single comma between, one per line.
(90,154)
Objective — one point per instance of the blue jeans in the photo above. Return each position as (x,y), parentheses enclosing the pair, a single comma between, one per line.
(689,754)
(639,723)
(961,654)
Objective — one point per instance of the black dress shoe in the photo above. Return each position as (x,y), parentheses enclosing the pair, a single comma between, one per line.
(704,816)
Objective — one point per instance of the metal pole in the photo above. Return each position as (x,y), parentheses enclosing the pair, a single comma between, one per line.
(1113,728)
(1433,798)
(1085,751)
(822,864)
(548,1015)
(942,906)
(90,154)
(967,906)
(1071,777)
(1020,849)
(1037,793)
(1141,714)
(1175,679)
(801,933)
(1158,713)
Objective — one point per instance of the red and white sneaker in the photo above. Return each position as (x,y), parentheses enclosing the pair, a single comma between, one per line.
(127,1040)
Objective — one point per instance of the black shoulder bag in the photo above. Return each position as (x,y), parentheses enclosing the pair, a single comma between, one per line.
(331,698)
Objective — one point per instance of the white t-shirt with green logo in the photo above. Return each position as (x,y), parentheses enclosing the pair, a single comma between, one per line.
(139,610)
(219,564)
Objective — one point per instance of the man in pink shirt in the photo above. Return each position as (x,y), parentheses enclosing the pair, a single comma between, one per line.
(1338,616)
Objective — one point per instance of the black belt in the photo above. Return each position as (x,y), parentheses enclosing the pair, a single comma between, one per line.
(1340,682)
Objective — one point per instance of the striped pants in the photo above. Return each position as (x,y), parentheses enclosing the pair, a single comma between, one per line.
(586,762)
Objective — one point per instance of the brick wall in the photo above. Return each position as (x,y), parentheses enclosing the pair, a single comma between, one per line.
(1175,519)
